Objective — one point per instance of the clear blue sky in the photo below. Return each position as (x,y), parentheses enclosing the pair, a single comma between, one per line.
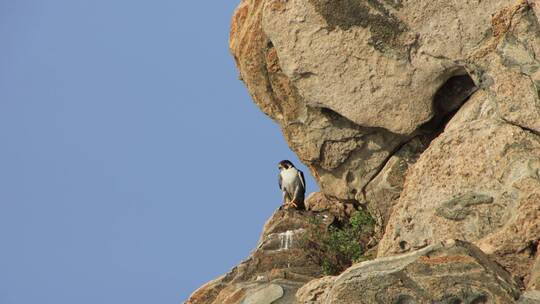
(133,165)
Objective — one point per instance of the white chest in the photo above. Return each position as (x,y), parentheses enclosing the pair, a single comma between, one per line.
(289,176)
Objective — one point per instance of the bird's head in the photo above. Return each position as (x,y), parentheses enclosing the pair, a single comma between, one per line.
(285,164)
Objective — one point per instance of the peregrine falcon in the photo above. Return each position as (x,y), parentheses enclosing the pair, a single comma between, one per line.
(292,184)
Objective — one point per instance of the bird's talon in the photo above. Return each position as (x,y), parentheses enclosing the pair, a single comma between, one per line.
(289,205)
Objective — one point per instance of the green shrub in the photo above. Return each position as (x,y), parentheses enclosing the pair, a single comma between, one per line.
(335,248)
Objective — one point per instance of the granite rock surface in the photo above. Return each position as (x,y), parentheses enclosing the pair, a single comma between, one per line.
(427,113)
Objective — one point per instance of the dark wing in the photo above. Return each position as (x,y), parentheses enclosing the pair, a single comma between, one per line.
(279,181)
(301,174)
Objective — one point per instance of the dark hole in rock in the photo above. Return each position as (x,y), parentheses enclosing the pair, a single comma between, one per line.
(533,248)
(447,101)
(403,245)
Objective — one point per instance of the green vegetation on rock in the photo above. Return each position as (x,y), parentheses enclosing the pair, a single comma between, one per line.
(338,246)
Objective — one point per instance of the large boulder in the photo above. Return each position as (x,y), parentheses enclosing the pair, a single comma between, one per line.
(446,272)
(342,154)
(377,63)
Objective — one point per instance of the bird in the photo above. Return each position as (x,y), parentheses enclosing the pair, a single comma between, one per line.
(292,184)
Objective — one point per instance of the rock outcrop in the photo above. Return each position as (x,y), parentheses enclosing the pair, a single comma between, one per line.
(478,180)
(354,83)
(275,269)
(446,272)
(426,112)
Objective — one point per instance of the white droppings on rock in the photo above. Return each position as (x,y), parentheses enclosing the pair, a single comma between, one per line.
(286,239)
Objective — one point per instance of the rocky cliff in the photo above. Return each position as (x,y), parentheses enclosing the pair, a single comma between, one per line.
(426,114)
